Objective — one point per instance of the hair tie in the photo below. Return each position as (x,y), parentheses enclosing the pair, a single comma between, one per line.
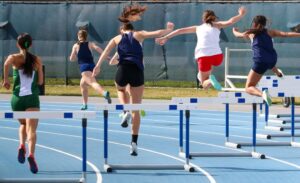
(26,44)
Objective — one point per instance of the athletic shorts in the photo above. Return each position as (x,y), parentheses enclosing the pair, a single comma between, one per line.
(86,67)
(205,63)
(261,67)
(24,102)
(129,73)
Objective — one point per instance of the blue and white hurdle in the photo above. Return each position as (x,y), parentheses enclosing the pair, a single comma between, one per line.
(83,115)
(223,98)
(289,86)
(149,107)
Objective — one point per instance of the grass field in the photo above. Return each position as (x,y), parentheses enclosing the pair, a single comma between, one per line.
(164,89)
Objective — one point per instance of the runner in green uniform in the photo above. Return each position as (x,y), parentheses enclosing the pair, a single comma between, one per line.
(27,75)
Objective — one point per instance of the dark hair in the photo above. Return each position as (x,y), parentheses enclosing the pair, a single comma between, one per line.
(126,26)
(260,23)
(82,34)
(24,41)
(209,17)
(131,10)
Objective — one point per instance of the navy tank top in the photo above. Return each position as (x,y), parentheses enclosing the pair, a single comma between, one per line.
(263,50)
(84,54)
(130,50)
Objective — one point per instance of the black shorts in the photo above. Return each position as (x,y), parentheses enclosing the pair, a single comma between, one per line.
(129,73)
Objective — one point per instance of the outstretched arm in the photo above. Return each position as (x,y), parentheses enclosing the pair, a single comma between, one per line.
(185,30)
(111,45)
(239,34)
(222,24)
(158,33)
(277,33)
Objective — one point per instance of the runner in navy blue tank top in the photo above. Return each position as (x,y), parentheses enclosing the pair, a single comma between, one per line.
(264,54)
(82,49)
(130,70)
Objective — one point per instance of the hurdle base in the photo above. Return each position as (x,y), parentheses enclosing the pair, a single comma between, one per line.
(44,180)
(258,155)
(109,167)
(277,121)
(263,136)
(278,135)
(274,128)
(233,145)
(265,144)
(295,144)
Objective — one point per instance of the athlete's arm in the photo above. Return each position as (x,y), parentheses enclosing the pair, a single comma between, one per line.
(222,24)
(185,30)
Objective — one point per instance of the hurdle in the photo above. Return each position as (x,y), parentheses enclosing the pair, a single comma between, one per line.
(83,115)
(223,98)
(149,107)
(282,88)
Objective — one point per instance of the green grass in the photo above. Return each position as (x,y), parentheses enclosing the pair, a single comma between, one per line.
(163,89)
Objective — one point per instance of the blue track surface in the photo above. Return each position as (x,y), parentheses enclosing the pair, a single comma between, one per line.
(59,151)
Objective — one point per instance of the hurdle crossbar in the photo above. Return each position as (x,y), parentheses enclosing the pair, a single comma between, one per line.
(83,115)
(223,98)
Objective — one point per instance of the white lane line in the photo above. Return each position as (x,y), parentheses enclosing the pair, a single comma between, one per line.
(209,177)
(94,167)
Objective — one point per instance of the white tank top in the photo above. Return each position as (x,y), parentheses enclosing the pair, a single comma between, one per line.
(208,39)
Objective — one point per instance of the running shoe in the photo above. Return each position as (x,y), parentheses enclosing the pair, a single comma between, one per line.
(133,149)
(125,118)
(21,154)
(267,98)
(143,113)
(84,107)
(215,83)
(106,95)
(280,75)
(32,164)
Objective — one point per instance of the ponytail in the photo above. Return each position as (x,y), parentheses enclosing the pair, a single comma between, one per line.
(209,17)
(24,41)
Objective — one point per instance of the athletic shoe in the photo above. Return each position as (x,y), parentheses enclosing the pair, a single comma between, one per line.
(84,107)
(133,149)
(125,118)
(106,95)
(215,83)
(32,164)
(281,75)
(142,113)
(267,98)
(21,154)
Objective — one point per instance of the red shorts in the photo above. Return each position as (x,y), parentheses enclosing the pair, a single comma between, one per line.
(205,63)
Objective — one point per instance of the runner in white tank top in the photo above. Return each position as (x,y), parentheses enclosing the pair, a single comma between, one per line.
(207,52)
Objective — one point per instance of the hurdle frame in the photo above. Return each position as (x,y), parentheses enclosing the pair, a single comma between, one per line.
(239,99)
(168,107)
(282,92)
(227,82)
(83,115)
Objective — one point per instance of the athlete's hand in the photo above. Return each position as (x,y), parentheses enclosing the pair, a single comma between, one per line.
(161,41)
(96,71)
(235,29)
(170,26)
(6,84)
(242,10)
